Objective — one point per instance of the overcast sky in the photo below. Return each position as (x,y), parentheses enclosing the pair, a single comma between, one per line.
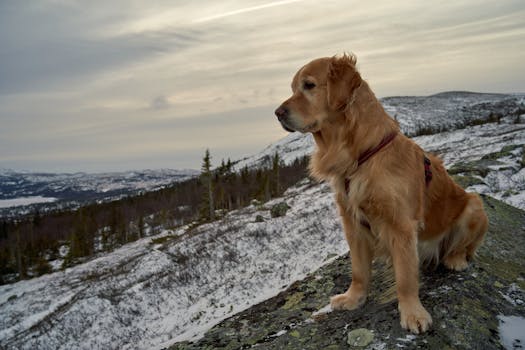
(116,85)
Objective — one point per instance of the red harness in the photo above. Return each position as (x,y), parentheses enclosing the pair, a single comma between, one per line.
(369,153)
(428,171)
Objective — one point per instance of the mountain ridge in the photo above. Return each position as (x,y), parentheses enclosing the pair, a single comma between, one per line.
(416,115)
(70,190)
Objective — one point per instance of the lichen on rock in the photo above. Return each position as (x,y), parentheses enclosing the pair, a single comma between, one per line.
(360,338)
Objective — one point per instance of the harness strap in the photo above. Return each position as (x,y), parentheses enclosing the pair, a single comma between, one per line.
(428,171)
(370,152)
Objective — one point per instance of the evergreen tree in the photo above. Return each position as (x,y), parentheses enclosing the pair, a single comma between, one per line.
(78,241)
(42,266)
(110,236)
(276,165)
(3,230)
(20,261)
(207,207)
(37,219)
(140,225)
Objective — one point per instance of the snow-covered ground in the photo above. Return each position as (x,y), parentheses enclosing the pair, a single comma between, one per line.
(14,202)
(177,285)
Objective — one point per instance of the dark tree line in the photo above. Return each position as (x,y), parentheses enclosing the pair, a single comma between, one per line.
(27,246)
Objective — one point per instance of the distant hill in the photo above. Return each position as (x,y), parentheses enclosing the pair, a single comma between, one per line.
(417,115)
(73,189)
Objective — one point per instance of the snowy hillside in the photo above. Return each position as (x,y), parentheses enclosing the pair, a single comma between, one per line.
(145,293)
(176,285)
(449,110)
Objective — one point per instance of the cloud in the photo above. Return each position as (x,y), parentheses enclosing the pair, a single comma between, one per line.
(94,78)
(50,46)
(159,102)
(245,10)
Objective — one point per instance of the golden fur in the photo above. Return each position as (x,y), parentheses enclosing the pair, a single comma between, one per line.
(408,220)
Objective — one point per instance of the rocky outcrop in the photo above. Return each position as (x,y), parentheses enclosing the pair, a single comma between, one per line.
(465,306)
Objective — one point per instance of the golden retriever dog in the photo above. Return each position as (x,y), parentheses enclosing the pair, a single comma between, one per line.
(395,200)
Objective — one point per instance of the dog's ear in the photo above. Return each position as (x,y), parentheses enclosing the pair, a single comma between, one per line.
(343,79)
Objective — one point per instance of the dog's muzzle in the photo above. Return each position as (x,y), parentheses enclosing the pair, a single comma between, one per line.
(283,114)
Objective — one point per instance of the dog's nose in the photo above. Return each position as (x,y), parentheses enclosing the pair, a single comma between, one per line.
(281,112)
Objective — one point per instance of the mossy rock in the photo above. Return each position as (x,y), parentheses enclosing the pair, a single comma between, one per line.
(505,152)
(162,240)
(279,209)
(464,305)
(360,338)
(466,181)
(478,167)
(293,300)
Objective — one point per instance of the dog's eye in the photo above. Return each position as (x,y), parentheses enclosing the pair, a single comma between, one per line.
(308,85)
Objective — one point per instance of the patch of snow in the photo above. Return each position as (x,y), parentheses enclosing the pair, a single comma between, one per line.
(511,331)
(15,202)
(56,264)
(324,310)
(278,334)
(377,346)
(407,339)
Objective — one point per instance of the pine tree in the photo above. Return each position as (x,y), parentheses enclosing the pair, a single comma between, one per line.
(20,261)
(140,225)
(207,206)
(37,219)
(3,230)
(80,243)
(110,235)
(42,266)
(276,185)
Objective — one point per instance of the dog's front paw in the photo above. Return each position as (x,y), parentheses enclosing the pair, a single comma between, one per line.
(457,262)
(347,301)
(414,317)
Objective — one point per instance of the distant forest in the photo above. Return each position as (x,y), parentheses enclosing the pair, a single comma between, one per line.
(28,245)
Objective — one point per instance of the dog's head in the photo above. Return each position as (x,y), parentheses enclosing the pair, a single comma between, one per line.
(321,89)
